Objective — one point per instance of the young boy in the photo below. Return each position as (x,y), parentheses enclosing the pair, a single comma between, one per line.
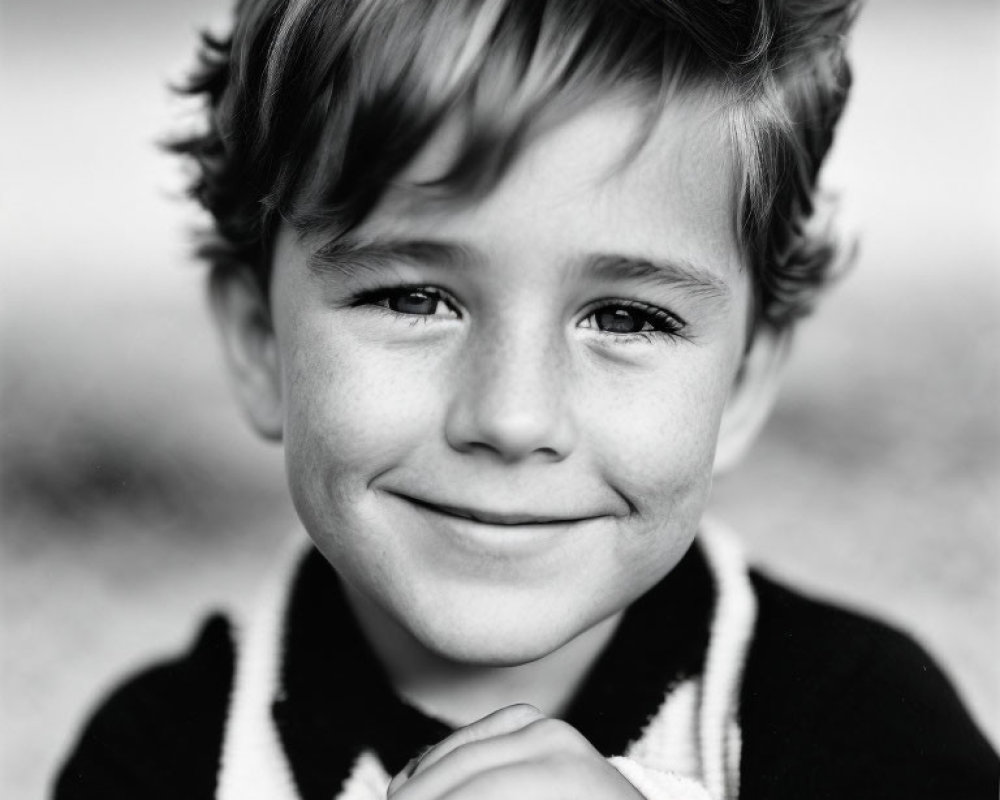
(510,280)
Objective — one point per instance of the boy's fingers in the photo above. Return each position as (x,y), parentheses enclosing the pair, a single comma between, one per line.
(457,766)
(506,720)
(542,759)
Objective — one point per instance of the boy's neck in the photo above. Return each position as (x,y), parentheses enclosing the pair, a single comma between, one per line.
(458,693)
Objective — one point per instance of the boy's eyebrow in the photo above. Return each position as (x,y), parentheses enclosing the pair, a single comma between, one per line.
(660,272)
(347,255)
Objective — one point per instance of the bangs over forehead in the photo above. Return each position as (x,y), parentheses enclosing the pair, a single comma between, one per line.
(318,104)
(353,91)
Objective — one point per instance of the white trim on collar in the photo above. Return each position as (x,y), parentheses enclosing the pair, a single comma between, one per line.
(253,761)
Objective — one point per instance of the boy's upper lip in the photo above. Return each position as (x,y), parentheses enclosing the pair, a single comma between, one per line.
(497,517)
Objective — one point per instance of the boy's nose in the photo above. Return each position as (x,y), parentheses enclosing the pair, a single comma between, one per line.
(511,400)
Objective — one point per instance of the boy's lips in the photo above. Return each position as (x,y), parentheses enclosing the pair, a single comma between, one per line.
(498,517)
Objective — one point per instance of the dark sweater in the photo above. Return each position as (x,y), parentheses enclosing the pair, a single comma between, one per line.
(833,705)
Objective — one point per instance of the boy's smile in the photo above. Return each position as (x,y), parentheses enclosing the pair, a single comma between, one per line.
(500,415)
(503,518)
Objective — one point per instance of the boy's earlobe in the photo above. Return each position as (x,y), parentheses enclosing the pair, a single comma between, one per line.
(752,397)
(250,348)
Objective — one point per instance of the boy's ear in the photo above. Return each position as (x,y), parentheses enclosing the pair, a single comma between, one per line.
(250,349)
(752,397)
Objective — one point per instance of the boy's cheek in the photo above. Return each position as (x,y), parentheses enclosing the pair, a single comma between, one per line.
(350,401)
(658,443)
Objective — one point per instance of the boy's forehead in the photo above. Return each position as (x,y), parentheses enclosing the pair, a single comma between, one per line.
(645,179)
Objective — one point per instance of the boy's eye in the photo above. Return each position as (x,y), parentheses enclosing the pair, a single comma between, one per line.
(628,317)
(412,301)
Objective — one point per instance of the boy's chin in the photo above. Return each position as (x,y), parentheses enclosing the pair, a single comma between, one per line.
(495,653)
(510,640)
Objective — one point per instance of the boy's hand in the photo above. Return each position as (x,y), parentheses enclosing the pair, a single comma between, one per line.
(516,752)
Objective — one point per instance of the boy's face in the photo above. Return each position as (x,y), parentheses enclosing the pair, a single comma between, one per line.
(500,416)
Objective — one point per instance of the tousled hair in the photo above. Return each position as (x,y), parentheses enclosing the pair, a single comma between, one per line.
(314,106)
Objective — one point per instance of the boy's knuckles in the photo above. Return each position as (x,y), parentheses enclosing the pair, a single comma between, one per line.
(554,734)
(541,759)
(506,720)
(472,755)
(463,763)
(510,719)
(514,717)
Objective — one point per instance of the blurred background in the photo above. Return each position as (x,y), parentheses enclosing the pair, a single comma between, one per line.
(134,497)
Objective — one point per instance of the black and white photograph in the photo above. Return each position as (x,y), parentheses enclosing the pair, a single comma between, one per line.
(500,399)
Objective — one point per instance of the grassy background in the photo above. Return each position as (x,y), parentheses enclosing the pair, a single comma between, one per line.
(134,497)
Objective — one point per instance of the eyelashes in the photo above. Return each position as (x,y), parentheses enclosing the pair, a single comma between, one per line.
(630,318)
(618,320)
(411,301)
